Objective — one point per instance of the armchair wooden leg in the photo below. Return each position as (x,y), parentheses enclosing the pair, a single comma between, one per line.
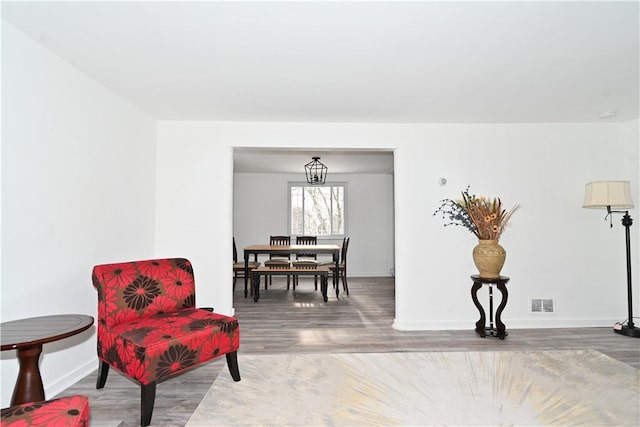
(232,363)
(147,400)
(103,371)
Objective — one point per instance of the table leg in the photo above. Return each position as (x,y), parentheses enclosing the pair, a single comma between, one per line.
(255,282)
(336,273)
(324,286)
(490,306)
(337,291)
(480,324)
(501,328)
(246,272)
(29,383)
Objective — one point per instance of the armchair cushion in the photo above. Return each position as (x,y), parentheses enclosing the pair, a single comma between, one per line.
(164,344)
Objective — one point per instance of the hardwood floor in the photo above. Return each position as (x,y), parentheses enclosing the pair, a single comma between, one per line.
(299,322)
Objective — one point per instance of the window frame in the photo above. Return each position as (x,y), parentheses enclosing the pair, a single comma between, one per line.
(328,184)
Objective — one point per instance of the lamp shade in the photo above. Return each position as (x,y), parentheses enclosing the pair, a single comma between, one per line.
(603,194)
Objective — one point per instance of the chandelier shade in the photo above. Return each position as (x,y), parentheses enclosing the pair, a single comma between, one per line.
(316,172)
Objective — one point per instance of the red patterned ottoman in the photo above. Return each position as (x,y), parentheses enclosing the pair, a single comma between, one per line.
(68,411)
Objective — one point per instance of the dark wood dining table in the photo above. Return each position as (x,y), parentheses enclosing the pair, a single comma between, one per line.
(27,336)
(282,250)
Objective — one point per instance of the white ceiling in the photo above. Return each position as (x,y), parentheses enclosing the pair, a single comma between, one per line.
(350,61)
(384,61)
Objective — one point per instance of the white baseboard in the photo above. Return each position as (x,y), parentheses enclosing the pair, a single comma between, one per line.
(542,323)
(356,274)
(63,383)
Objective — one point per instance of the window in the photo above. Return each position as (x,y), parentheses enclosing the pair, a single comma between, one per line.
(317,211)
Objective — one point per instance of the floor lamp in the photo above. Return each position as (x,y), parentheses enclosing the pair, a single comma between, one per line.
(612,195)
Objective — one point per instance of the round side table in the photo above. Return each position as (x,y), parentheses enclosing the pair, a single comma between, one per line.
(27,337)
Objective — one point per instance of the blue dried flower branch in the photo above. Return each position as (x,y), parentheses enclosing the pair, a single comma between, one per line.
(457,214)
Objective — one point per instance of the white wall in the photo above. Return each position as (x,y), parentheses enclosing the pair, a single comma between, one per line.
(260,210)
(78,189)
(555,248)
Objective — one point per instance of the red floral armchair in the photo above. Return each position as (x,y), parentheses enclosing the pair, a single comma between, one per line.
(149,328)
(70,411)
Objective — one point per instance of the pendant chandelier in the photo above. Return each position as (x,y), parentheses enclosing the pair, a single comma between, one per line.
(316,171)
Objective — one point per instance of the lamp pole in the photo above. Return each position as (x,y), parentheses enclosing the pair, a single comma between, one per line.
(629,329)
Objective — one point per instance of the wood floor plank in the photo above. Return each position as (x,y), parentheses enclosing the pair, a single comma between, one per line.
(300,322)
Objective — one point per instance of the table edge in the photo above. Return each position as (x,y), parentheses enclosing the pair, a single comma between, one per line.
(52,338)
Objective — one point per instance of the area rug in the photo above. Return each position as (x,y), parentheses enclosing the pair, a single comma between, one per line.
(545,388)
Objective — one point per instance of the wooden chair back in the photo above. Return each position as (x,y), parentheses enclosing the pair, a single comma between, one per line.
(306,240)
(280,240)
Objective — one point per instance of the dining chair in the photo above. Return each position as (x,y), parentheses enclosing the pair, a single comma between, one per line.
(238,267)
(278,260)
(305,264)
(342,264)
(310,257)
